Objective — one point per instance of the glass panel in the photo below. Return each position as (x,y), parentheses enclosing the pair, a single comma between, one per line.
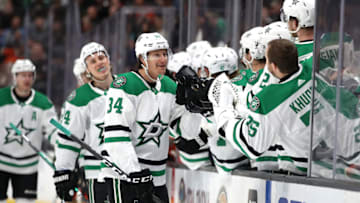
(336,115)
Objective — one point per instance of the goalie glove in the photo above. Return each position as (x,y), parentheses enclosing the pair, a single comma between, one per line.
(222,95)
(138,187)
(65,183)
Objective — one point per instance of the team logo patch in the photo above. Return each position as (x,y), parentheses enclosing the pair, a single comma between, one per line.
(71,96)
(120,81)
(253,77)
(255,103)
(237,78)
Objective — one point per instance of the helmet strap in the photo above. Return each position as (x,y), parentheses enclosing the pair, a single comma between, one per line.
(147,71)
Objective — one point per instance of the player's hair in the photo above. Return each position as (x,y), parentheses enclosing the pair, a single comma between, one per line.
(283,53)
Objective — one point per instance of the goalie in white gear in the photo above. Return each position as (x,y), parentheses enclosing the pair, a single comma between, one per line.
(83,114)
(30,111)
(141,110)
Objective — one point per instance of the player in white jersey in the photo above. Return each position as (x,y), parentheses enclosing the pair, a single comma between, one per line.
(30,111)
(272,116)
(226,158)
(83,114)
(193,151)
(300,17)
(140,110)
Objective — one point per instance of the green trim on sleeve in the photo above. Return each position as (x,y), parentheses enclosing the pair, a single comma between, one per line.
(68,147)
(117,139)
(194,160)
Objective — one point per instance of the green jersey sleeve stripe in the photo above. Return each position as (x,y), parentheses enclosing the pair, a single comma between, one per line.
(194,160)
(19,165)
(223,167)
(72,148)
(117,139)
(158,173)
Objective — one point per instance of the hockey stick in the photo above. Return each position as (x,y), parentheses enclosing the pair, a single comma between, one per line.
(42,154)
(108,163)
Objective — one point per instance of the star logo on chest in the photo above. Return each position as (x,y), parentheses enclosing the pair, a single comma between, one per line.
(13,137)
(152,130)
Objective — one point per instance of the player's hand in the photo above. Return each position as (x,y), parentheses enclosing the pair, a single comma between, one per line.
(65,183)
(138,188)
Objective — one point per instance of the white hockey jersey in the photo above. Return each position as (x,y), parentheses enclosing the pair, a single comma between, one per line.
(32,117)
(137,122)
(279,114)
(83,114)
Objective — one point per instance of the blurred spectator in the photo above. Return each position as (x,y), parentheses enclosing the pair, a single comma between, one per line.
(14,35)
(38,31)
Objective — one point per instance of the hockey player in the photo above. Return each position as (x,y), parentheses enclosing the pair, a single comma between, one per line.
(300,17)
(253,133)
(226,158)
(140,110)
(83,114)
(30,111)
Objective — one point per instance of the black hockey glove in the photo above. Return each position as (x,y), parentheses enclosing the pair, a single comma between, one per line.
(139,188)
(65,183)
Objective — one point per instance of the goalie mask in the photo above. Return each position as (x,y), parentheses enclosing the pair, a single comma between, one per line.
(148,42)
(22,65)
(302,10)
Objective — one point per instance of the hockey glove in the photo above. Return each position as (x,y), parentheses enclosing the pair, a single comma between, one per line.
(138,188)
(65,183)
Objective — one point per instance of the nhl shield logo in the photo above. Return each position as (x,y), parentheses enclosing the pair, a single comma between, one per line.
(120,81)
(255,103)
(71,96)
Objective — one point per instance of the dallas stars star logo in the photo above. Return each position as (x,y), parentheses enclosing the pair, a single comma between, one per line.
(152,130)
(13,137)
(101,134)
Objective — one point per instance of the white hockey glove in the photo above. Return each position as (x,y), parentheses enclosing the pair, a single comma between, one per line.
(222,95)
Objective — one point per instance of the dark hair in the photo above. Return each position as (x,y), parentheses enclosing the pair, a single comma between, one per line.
(283,53)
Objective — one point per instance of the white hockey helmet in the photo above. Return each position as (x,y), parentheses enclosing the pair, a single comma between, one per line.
(147,42)
(275,30)
(248,41)
(218,59)
(78,68)
(178,60)
(23,65)
(90,49)
(233,59)
(196,47)
(302,10)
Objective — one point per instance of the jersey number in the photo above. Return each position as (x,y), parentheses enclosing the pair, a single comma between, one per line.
(67,117)
(117,105)
(252,126)
(265,80)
